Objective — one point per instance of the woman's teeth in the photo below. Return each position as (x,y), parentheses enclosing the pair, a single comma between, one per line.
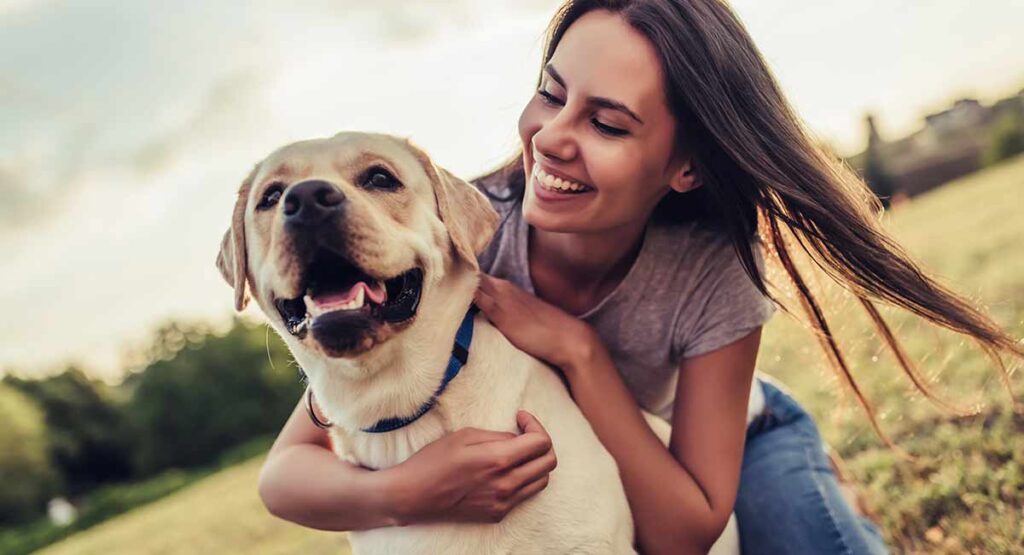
(558,184)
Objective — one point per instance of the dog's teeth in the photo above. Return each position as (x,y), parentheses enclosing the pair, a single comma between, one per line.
(316,310)
(311,309)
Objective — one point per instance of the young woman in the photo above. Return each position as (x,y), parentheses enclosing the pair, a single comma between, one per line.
(657,151)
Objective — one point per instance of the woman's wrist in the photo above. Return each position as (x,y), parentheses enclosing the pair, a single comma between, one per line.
(397,497)
(582,353)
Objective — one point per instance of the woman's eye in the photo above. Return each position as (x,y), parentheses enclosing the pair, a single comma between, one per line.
(607,129)
(380,178)
(550,99)
(270,197)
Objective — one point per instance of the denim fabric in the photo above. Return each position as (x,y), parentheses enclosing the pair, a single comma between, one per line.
(789,500)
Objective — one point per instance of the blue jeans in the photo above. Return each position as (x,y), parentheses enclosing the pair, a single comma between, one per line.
(789,500)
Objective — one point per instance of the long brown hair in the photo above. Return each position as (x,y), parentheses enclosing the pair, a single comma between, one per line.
(763,176)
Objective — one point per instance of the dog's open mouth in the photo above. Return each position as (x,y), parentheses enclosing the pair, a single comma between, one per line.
(339,293)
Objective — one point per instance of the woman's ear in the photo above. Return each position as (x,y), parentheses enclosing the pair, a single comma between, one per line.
(684,178)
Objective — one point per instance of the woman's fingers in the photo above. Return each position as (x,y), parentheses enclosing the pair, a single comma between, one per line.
(486,283)
(531,471)
(528,423)
(528,491)
(484,301)
(503,455)
(514,452)
(473,436)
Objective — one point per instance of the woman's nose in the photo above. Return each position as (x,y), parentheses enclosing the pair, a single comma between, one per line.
(555,140)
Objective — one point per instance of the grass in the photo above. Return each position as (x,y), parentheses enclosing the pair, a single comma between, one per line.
(963,491)
(219,514)
(112,500)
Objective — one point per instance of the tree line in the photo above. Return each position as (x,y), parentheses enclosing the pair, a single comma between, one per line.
(197,394)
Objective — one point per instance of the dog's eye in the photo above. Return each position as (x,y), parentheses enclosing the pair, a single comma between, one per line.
(379,178)
(270,197)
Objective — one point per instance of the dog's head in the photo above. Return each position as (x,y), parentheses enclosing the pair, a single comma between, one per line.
(339,239)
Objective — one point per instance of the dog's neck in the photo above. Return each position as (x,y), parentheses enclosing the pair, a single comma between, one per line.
(404,372)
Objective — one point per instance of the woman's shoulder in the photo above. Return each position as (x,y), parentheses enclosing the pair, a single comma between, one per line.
(507,205)
(700,247)
(717,300)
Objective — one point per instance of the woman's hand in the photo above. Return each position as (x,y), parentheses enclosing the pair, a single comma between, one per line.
(474,475)
(539,328)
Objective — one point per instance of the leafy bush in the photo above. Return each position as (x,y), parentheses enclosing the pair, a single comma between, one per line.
(25,473)
(1007,138)
(209,393)
(88,442)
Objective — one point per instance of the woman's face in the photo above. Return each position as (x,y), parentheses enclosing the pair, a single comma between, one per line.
(598,138)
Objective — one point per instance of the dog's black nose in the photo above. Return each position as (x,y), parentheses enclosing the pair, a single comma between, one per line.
(311,202)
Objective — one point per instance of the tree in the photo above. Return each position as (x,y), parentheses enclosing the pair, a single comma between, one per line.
(874,172)
(1007,138)
(209,394)
(26,475)
(88,441)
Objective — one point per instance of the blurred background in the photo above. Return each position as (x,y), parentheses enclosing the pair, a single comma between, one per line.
(137,406)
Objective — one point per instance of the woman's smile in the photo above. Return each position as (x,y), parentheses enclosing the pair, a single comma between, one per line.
(548,186)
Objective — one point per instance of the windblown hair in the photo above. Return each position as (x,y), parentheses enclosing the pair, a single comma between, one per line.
(762,175)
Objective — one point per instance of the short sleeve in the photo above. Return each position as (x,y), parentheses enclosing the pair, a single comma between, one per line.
(494,193)
(486,258)
(732,305)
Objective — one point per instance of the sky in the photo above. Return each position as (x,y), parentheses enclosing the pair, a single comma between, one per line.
(126,126)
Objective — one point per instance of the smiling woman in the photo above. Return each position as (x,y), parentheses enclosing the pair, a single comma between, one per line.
(656,134)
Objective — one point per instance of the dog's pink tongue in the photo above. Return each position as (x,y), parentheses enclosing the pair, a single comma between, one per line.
(376,294)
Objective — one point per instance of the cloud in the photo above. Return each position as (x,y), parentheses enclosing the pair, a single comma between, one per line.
(124,195)
(37,176)
(19,202)
(10,7)
(42,172)
(232,106)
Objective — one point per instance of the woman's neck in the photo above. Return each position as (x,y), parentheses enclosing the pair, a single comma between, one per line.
(577,270)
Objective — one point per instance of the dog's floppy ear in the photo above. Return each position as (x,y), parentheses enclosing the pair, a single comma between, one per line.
(231,260)
(465,211)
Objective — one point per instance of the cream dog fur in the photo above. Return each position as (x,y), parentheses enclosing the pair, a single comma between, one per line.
(338,285)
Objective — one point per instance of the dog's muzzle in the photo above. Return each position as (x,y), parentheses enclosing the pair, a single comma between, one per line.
(340,302)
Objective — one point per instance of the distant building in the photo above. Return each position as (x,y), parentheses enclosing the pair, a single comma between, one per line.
(951,144)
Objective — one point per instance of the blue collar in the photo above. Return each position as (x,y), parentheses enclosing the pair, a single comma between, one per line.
(460,354)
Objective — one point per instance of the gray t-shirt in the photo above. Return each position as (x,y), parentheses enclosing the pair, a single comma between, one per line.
(685,295)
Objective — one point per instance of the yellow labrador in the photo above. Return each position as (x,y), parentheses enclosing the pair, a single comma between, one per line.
(362,253)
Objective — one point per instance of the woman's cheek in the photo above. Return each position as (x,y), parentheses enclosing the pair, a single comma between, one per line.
(608,168)
(529,123)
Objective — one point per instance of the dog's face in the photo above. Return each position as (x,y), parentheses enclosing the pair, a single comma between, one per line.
(339,239)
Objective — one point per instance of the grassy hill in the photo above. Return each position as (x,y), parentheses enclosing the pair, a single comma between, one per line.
(963,491)
(219,514)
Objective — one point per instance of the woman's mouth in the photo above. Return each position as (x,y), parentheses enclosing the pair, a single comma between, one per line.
(551,187)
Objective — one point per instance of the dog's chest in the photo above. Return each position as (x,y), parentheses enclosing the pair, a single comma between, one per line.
(486,394)
(384,450)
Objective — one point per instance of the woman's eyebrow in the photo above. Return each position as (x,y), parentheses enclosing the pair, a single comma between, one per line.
(595,100)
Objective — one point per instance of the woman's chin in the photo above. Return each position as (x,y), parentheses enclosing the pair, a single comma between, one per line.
(555,222)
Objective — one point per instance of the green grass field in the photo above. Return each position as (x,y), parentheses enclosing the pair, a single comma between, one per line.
(962,492)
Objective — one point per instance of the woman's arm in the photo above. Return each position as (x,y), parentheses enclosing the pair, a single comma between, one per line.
(681,498)
(304,482)
(470,475)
